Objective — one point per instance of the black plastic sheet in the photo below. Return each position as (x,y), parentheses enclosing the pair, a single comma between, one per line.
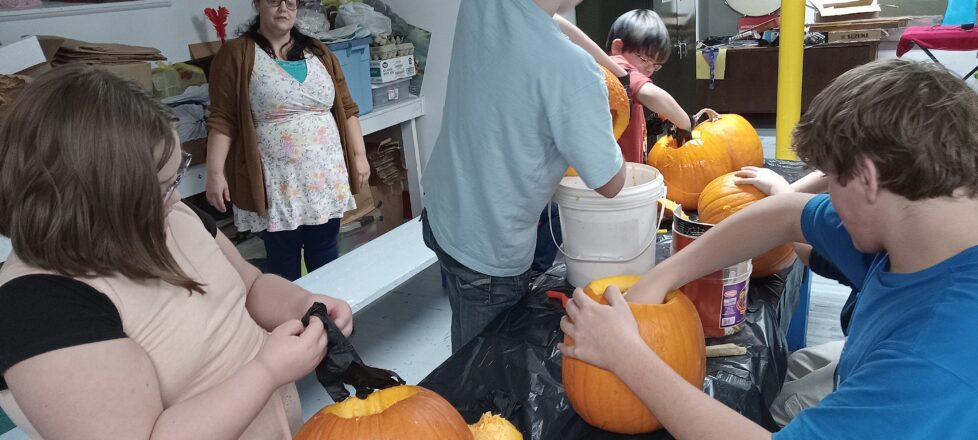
(514,368)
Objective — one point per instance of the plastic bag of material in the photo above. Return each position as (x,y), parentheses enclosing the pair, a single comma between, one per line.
(364,15)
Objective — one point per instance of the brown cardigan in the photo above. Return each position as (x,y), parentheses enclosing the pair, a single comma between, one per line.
(230,77)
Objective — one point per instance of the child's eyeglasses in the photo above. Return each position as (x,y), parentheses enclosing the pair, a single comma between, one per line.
(289,4)
(184,165)
(655,66)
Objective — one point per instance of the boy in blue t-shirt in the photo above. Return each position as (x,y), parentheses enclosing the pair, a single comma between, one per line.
(523,103)
(897,141)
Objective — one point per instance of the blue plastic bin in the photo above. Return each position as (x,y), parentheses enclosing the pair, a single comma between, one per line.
(354,57)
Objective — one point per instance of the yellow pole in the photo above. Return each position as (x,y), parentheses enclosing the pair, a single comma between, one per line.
(790,56)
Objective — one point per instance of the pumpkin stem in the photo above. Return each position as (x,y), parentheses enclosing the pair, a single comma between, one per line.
(711,114)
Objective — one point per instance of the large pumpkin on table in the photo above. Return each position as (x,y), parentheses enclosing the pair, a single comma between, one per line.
(672,330)
(720,199)
(743,143)
(621,112)
(403,412)
(689,167)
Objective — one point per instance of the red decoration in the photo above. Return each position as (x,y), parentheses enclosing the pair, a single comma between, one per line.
(219,18)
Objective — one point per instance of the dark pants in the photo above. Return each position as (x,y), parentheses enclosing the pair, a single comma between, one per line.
(285,249)
(476,298)
(546,249)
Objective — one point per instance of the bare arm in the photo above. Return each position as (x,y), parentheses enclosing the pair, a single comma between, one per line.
(218,145)
(110,390)
(752,231)
(607,336)
(815,182)
(273,300)
(614,186)
(578,37)
(660,101)
(355,139)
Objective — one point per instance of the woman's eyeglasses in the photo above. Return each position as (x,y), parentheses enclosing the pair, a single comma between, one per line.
(289,4)
(184,165)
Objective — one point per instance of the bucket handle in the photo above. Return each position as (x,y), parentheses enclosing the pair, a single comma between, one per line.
(655,230)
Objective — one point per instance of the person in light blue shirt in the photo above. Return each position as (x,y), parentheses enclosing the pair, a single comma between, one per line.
(898,143)
(523,103)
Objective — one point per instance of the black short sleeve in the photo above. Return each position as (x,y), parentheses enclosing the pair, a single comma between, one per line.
(43,313)
(205,218)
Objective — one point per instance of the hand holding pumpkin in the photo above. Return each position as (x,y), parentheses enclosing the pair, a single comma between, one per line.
(603,334)
(764,179)
(292,351)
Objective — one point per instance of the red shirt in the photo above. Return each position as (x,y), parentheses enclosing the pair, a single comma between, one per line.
(634,141)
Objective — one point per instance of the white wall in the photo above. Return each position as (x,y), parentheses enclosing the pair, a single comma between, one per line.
(437,17)
(169,29)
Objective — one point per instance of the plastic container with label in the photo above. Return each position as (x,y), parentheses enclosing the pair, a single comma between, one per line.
(389,93)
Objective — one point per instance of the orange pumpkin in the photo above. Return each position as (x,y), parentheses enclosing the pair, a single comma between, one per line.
(743,143)
(672,330)
(689,167)
(621,112)
(720,199)
(403,412)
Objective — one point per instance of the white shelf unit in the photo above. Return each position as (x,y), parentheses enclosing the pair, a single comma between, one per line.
(61,9)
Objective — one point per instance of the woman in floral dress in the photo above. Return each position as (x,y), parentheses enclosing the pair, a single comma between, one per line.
(285,145)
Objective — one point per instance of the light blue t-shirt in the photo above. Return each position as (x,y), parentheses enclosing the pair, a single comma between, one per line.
(909,368)
(523,103)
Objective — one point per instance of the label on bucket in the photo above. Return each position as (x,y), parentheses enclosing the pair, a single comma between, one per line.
(734,306)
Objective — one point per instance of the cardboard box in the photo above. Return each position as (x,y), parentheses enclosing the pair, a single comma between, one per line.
(204,50)
(854,36)
(365,205)
(384,71)
(843,10)
(139,72)
(390,200)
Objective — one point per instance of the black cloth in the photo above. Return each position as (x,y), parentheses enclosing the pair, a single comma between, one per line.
(44,313)
(342,365)
(513,367)
(818,264)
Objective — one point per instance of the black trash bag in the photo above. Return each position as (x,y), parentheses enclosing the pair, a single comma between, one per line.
(342,365)
(513,367)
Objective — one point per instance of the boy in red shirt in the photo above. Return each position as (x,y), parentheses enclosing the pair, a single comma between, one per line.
(639,42)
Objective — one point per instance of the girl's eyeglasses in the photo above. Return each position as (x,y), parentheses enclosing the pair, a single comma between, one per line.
(184,165)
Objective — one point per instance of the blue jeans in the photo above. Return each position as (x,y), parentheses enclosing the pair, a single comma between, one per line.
(476,298)
(284,249)
(546,249)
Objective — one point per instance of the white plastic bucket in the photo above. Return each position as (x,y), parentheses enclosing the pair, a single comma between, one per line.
(607,237)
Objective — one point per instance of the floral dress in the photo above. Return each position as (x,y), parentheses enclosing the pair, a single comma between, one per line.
(306,179)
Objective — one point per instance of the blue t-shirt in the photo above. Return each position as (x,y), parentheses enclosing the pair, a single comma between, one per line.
(909,368)
(523,102)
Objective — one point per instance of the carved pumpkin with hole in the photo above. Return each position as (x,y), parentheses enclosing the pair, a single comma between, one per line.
(621,112)
(671,329)
(720,199)
(743,143)
(403,412)
(689,167)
